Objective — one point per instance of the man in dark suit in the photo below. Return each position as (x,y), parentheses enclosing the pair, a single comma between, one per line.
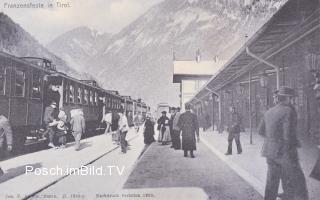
(234,131)
(5,136)
(189,125)
(279,128)
(48,119)
(173,110)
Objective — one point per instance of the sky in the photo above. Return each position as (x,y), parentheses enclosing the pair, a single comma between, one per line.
(108,16)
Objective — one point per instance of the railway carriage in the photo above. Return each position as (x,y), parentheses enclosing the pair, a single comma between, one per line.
(127,104)
(21,94)
(24,90)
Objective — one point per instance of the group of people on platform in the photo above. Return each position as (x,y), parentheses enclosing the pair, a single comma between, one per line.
(118,125)
(170,129)
(57,125)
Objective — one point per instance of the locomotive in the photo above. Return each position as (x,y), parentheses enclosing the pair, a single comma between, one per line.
(29,84)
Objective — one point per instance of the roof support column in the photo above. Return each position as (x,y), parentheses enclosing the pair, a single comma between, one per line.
(220,113)
(199,100)
(250,107)
(214,94)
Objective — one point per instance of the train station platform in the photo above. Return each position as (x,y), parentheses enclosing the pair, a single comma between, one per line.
(251,166)
(28,174)
(166,174)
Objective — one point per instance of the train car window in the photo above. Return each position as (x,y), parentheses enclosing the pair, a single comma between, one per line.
(96,98)
(86,97)
(65,92)
(71,93)
(20,83)
(2,80)
(79,96)
(108,102)
(91,97)
(36,85)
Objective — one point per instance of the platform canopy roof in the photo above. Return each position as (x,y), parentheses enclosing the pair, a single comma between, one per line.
(293,21)
(194,69)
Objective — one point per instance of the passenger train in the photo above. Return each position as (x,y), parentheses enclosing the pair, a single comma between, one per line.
(29,84)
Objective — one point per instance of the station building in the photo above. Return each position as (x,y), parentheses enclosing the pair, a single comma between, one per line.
(193,74)
(285,51)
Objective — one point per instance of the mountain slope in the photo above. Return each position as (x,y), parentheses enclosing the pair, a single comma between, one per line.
(16,41)
(78,45)
(138,60)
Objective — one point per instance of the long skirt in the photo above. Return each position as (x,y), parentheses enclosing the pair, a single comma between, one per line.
(164,135)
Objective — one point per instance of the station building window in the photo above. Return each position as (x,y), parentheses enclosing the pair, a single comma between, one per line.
(71,93)
(20,83)
(36,85)
(2,80)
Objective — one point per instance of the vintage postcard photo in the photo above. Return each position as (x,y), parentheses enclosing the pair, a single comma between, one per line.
(160,99)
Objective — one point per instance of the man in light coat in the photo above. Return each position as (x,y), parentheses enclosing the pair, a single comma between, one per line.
(279,128)
(78,126)
(123,128)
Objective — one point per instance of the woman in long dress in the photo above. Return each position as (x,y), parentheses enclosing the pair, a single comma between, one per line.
(149,130)
(164,130)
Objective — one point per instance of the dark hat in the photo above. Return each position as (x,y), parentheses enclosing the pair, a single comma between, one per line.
(164,112)
(187,106)
(173,108)
(121,109)
(286,91)
(275,92)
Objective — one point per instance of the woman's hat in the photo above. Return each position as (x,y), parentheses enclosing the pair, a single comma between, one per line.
(286,91)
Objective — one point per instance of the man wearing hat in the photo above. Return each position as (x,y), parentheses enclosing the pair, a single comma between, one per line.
(279,128)
(173,113)
(189,125)
(176,130)
(234,130)
(123,128)
(49,117)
